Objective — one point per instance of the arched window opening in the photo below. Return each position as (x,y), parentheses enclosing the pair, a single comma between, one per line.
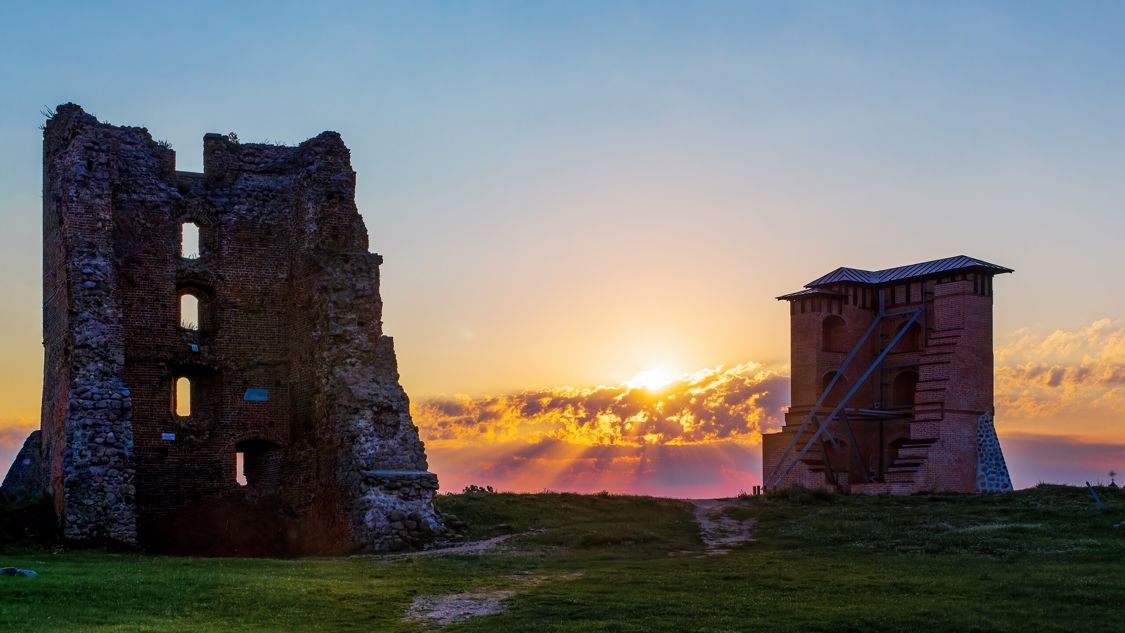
(181,397)
(189,240)
(903,388)
(839,390)
(834,338)
(189,311)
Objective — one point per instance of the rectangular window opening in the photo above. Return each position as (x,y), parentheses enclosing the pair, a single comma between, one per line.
(189,240)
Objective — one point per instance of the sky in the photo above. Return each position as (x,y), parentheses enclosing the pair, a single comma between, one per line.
(567,194)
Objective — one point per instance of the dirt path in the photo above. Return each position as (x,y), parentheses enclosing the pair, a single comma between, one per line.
(720,531)
(472,547)
(437,610)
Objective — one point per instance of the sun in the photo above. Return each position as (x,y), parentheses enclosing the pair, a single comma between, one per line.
(653,379)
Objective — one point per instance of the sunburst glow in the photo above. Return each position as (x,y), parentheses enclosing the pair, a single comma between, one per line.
(653,379)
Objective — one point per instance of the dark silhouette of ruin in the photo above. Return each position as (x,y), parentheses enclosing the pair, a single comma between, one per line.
(891,382)
(216,376)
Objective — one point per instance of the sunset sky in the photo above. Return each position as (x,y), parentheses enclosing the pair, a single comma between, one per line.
(568,194)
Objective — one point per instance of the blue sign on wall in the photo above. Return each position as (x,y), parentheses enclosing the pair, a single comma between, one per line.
(256,394)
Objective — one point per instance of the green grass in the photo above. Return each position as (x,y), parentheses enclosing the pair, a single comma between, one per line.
(1036,560)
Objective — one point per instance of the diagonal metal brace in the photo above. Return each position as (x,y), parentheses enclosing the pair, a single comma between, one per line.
(811,415)
(843,401)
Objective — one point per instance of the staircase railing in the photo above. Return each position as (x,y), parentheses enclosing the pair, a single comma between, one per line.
(774,480)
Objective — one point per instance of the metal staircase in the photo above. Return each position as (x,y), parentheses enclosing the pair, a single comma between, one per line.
(806,454)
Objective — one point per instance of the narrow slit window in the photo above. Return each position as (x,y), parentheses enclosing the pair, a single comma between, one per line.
(183,397)
(189,312)
(189,240)
(240,468)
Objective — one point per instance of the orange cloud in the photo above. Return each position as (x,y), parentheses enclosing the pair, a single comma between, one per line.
(1059,397)
(710,405)
(1073,374)
(698,436)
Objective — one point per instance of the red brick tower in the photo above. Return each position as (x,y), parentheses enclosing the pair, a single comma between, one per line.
(891,382)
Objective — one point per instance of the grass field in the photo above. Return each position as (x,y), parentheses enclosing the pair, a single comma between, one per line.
(1037,560)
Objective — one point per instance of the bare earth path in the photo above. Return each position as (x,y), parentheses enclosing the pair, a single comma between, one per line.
(439,610)
(720,531)
(472,547)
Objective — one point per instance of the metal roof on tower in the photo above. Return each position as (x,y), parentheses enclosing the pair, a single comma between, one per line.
(937,267)
(959,263)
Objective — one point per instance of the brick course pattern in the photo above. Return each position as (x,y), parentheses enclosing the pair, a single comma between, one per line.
(286,367)
(921,421)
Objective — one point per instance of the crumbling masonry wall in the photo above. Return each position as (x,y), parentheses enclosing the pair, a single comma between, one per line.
(286,364)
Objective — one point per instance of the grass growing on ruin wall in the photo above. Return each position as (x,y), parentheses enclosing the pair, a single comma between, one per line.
(1043,559)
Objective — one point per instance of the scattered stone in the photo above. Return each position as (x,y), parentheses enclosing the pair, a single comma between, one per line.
(454,608)
(15,571)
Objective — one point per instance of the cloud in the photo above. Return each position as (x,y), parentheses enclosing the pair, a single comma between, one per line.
(709,405)
(698,436)
(1074,374)
(1060,397)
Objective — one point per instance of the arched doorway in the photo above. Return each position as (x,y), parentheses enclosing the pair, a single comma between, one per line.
(257,465)
(839,390)
(903,388)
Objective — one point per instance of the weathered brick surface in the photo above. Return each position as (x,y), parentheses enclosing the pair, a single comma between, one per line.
(917,420)
(289,309)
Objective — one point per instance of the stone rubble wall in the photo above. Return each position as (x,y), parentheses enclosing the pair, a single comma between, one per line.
(396,509)
(99,497)
(290,306)
(369,413)
(992,471)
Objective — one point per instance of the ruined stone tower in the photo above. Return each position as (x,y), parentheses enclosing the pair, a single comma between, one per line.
(238,398)
(891,382)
